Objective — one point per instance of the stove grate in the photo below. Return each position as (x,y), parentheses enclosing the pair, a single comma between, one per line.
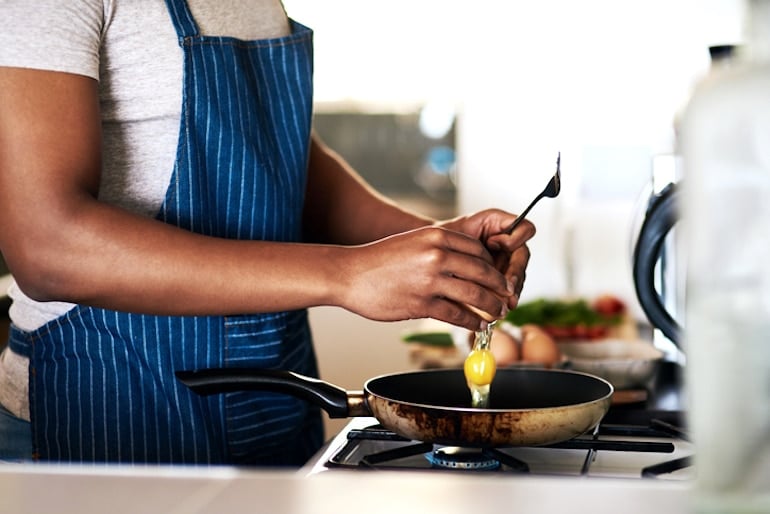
(666,467)
(373,459)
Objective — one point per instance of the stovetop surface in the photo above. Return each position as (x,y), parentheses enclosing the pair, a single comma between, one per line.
(657,451)
(641,440)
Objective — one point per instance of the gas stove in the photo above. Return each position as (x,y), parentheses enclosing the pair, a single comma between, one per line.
(648,444)
(645,439)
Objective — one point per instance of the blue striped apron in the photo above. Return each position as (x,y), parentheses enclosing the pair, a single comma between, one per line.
(102,384)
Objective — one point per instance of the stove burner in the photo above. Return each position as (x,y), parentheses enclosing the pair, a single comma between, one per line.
(461,458)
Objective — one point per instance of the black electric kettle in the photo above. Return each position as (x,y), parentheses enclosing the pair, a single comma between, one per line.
(660,217)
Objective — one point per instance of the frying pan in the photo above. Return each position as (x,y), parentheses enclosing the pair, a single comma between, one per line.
(527,407)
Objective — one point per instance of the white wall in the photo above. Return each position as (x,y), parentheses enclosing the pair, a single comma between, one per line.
(404,51)
(602,82)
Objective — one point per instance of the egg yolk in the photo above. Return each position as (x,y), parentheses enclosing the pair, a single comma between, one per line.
(480,367)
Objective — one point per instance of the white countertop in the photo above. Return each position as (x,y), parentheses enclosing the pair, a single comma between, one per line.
(84,490)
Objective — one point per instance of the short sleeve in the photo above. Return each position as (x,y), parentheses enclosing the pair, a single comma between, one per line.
(56,35)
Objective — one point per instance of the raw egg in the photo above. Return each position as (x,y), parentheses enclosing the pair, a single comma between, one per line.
(480,367)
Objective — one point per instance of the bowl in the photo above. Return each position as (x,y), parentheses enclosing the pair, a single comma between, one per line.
(626,364)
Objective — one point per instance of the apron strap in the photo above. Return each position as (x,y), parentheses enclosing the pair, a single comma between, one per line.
(18,342)
(184,23)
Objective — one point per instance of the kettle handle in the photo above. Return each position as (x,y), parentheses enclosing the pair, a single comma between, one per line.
(660,219)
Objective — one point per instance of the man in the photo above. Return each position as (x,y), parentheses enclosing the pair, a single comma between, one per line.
(165,206)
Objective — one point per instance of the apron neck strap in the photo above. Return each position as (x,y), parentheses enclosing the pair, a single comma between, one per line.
(184,23)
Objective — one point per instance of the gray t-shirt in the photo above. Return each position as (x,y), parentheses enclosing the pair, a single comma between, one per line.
(131,48)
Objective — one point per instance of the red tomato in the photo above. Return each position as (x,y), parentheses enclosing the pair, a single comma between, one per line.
(609,305)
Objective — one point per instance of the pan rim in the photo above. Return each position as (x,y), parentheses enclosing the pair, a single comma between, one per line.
(606,397)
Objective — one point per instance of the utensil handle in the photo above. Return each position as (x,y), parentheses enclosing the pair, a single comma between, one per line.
(521,216)
(333,399)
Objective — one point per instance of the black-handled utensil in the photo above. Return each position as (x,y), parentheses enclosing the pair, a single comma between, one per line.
(551,191)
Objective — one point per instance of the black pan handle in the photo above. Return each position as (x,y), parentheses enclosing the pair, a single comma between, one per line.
(331,398)
(661,217)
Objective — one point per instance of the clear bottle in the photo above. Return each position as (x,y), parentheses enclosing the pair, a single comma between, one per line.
(725,143)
